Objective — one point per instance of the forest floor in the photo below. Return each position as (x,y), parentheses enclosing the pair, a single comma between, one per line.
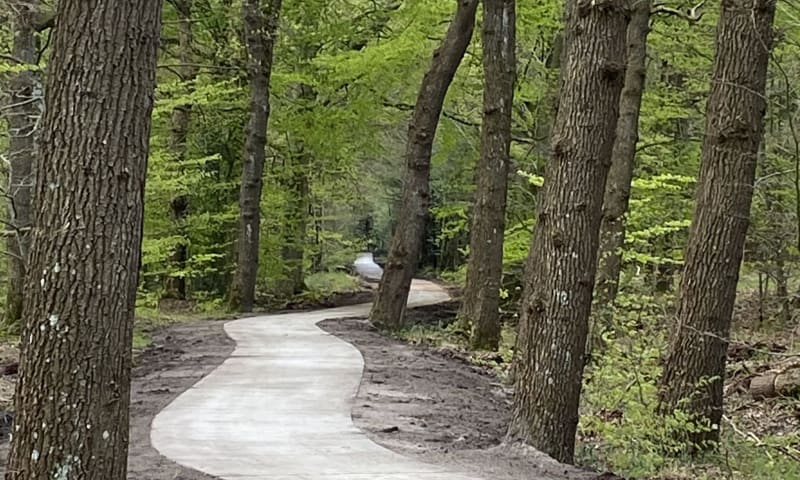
(438,407)
(432,406)
(177,356)
(756,430)
(431,403)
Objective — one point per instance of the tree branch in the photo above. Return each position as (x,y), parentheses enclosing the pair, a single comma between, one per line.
(11,58)
(405,107)
(43,21)
(693,15)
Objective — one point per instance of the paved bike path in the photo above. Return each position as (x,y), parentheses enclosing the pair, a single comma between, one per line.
(279,407)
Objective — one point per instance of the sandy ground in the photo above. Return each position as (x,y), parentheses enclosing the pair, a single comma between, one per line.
(439,408)
(180,356)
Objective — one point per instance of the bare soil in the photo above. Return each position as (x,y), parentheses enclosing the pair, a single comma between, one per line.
(179,357)
(434,405)
(415,400)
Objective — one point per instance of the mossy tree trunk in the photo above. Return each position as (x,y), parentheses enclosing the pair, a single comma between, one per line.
(24,110)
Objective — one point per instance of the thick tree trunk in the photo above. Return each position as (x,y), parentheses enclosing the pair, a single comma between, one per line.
(24,110)
(73,393)
(392,295)
(618,185)
(695,367)
(181,116)
(261,26)
(560,271)
(485,268)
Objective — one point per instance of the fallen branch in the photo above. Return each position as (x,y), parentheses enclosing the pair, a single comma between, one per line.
(789,452)
(783,382)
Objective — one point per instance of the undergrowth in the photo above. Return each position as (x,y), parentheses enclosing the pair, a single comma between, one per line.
(620,428)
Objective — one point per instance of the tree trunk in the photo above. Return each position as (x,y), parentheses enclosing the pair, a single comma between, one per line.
(485,268)
(25,108)
(73,393)
(695,366)
(782,285)
(618,185)
(181,116)
(297,223)
(560,270)
(778,232)
(260,26)
(392,295)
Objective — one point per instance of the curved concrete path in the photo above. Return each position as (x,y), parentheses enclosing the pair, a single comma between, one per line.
(279,407)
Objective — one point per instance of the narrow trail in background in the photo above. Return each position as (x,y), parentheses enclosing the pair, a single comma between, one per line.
(279,407)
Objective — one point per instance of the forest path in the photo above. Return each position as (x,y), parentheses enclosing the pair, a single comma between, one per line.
(279,407)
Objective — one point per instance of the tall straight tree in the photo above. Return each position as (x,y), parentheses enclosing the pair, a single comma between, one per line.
(260,29)
(618,185)
(559,276)
(695,366)
(404,252)
(181,117)
(23,112)
(485,268)
(297,213)
(72,398)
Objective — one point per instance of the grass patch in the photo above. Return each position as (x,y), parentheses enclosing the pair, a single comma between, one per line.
(329,283)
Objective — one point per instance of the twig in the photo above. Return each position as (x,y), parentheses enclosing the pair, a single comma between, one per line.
(729,341)
(11,58)
(789,452)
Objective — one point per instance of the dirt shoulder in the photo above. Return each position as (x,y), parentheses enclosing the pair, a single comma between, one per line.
(179,357)
(425,403)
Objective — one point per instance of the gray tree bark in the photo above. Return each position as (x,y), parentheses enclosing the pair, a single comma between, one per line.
(695,368)
(260,27)
(480,308)
(618,185)
(25,108)
(390,303)
(560,271)
(73,392)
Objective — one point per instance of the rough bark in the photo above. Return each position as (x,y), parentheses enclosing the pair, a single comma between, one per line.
(481,296)
(695,367)
(390,303)
(618,185)
(181,117)
(260,28)
(73,393)
(25,107)
(560,270)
